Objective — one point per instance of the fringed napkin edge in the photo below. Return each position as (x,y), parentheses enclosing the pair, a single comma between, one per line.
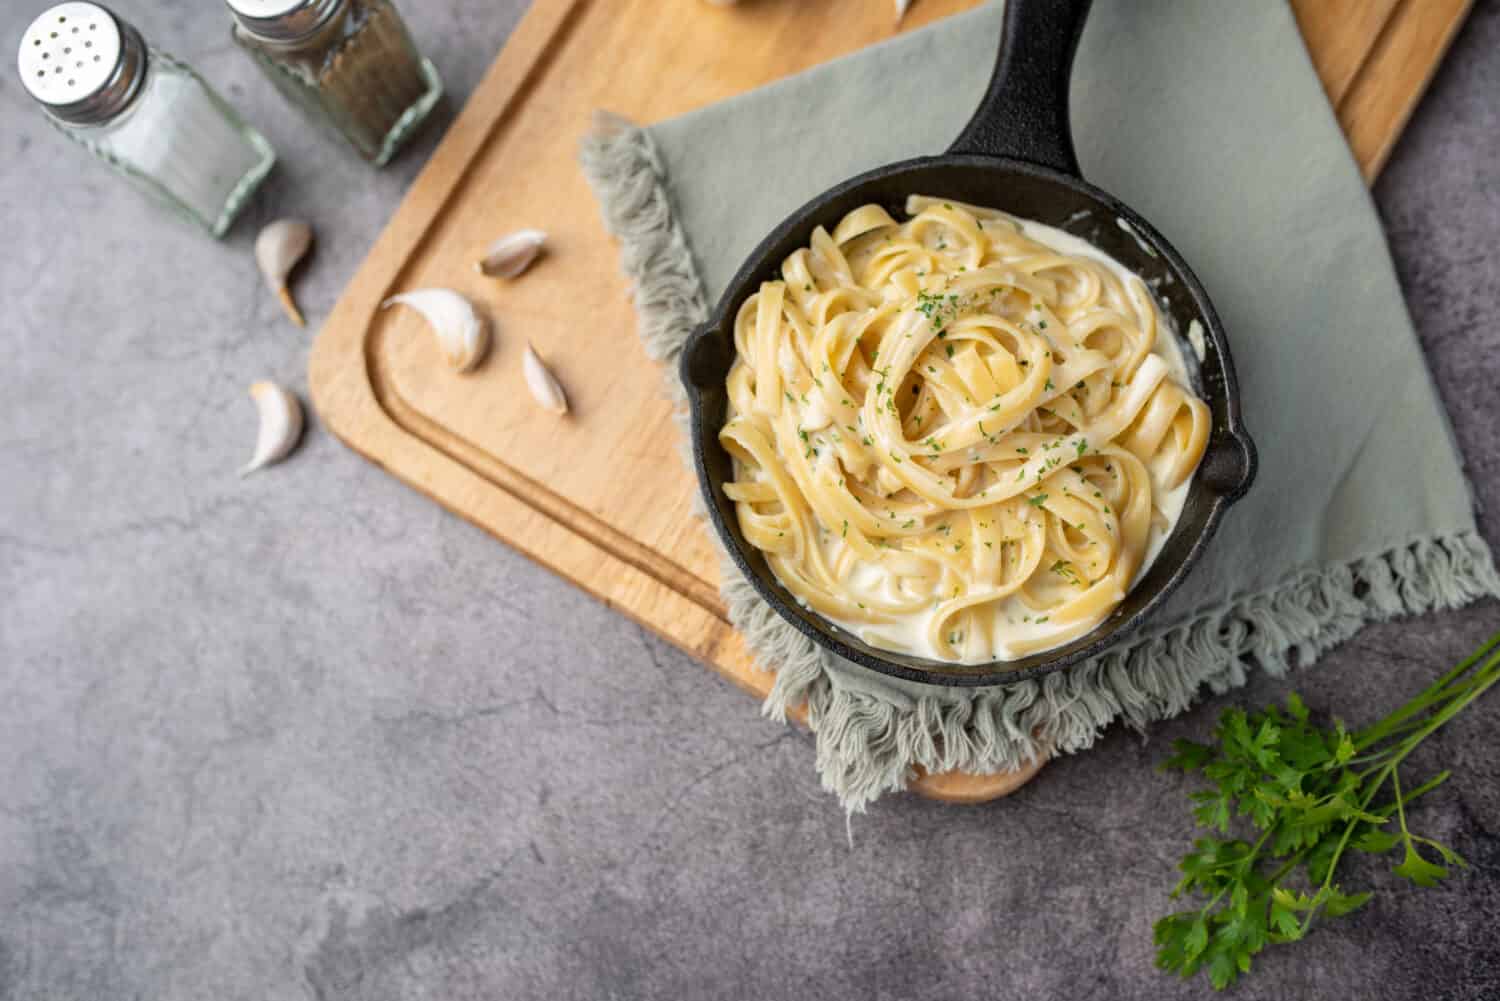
(870,743)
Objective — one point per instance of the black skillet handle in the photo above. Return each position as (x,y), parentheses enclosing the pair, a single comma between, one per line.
(1024,113)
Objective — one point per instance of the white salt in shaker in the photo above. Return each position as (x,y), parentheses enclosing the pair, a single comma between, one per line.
(145,114)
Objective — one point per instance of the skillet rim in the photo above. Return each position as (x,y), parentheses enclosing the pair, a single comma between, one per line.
(1237,476)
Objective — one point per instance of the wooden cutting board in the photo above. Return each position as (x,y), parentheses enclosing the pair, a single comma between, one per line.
(600,497)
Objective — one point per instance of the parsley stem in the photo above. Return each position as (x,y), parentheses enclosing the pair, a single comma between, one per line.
(1312,791)
(1482,680)
(1338,852)
(1485,678)
(1291,863)
(1385,809)
(1416,706)
(1400,807)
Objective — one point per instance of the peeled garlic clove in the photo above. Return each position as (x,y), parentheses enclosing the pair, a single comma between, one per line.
(543,384)
(512,254)
(901,6)
(278,248)
(280,425)
(461,331)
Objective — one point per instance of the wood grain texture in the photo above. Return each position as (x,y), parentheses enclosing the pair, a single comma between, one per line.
(600,497)
(1340,34)
(1382,96)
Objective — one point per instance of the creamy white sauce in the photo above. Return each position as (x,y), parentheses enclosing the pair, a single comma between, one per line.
(1014,622)
(1195,338)
(1146,248)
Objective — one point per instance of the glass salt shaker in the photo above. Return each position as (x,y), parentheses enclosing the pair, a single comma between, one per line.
(350,65)
(145,114)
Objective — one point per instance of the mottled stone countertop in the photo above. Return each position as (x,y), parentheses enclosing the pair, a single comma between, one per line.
(308,736)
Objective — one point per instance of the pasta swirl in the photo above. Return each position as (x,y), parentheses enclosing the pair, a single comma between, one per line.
(960,435)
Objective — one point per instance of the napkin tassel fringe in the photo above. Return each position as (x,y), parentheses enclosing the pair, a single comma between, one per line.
(868,744)
(867,747)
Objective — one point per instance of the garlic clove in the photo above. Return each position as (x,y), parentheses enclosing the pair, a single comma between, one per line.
(512,254)
(901,8)
(542,383)
(278,249)
(462,333)
(280,425)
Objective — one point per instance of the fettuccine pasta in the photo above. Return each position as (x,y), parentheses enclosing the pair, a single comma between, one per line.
(958,436)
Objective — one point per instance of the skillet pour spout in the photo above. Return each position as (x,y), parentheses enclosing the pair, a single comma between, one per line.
(1016,154)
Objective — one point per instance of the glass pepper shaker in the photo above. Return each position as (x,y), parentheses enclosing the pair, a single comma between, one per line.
(350,65)
(144,113)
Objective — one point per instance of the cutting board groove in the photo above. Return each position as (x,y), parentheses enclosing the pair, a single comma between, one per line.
(600,497)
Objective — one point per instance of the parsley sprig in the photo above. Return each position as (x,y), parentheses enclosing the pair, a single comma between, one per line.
(939,310)
(1310,793)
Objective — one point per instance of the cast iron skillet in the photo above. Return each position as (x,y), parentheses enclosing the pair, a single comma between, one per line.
(1015,154)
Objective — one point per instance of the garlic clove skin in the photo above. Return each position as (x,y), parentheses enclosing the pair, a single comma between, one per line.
(280,425)
(278,250)
(545,388)
(462,334)
(901,8)
(512,254)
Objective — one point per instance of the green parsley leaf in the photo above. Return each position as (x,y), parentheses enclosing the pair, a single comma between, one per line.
(1308,793)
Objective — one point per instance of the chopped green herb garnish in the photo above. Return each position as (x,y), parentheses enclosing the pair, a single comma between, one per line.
(1309,792)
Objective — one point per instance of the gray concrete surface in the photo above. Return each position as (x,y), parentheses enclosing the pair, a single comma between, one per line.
(307,736)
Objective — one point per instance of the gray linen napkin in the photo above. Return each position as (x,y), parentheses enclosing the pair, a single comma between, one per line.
(1206,117)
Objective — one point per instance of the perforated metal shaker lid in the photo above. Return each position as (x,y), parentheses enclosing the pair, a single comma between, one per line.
(283,20)
(81,62)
